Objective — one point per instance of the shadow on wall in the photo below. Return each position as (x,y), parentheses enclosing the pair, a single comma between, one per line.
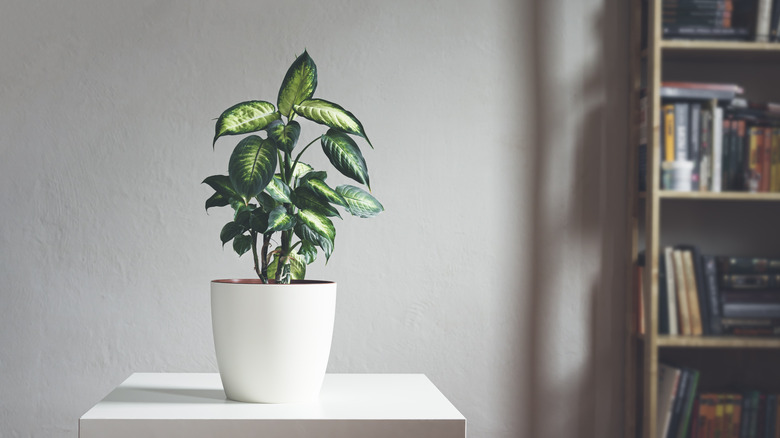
(577,390)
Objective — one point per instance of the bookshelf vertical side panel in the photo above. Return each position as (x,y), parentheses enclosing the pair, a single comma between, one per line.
(652,225)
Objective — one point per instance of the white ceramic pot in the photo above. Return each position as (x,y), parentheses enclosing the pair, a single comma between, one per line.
(272,340)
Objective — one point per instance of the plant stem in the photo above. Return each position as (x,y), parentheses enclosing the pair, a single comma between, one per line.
(254,255)
(297,157)
(266,242)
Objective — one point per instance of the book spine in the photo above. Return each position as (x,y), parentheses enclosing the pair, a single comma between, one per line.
(663,301)
(669,124)
(753,157)
(677,405)
(750,281)
(675,324)
(774,32)
(690,396)
(740,146)
(766,159)
(693,294)
(694,146)
(713,296)
(717,148)
(776,159)
(751,310)
(763,18)
(682,294)
(705,158)
(681,135)
(726,154)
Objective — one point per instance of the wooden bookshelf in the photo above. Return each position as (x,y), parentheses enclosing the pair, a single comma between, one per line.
(749,361)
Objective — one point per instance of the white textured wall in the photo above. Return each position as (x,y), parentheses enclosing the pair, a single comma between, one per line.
(496,270)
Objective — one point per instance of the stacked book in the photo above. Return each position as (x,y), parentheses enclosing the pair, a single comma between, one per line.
(707,19)
(683,413)
(689,301)
(712,295)
(750,294)
(730,143)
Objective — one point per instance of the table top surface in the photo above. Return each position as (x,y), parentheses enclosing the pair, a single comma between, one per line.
(343,396)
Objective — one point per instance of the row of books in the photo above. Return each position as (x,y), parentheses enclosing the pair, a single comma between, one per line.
(713,295)
(721,19)
(729,143)
(684,413)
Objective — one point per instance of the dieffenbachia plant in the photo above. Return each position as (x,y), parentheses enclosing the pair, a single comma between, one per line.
(271,191)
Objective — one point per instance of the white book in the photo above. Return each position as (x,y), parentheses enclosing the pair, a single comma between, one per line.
(763,20)
(668,380)
(671,294)
(717,148)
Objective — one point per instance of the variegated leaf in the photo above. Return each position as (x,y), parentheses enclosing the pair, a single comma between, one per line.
(308,251)
(305,198)
(345,155)
(297,266)
(279,220)
(278,190)
(318,223)
(359,202)
(332,115)
(321,188)
(285,136)
(245,117)
(252,165)
(301,169)
(307,234)
(298,85)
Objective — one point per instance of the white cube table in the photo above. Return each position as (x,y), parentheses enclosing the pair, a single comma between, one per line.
(193,405)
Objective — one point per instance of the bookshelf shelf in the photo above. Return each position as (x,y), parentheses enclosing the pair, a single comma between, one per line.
(716,342)
(723,361)
(719,196)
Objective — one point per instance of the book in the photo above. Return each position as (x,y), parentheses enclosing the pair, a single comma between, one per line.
(663,300)
(751,296)
(713,295)
(694,143)
(683,311)
(675,324)
(750,310)
(748,265)
(679,402)
(690,31)
(668,380)
(750,281)
(688,404)
(669,132)
(763,20)
(775,160)
(717,149)
(705,157)
(681,115)
(774,34)
(693,293)
(765,159)
(695,93)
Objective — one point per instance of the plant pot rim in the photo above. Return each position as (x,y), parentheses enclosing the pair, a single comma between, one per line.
(260,282)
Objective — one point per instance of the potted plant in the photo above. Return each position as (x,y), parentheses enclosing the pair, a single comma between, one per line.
(272,333)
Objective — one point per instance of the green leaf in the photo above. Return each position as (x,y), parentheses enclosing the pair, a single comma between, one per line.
(242,244)
(267,203)
(319,187)
(318,223)
(332,115)
(245,117)
(345,156)
(258,222)
(307,234)
(305,198)
(297,266)
(298,85)
(359,202)
(222,185)
(242,215)
(308,251)
(229,231)
(252,165)
(301,169)
(285,136)
(278,190)
(216,200)
(314,174)
(280,220)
